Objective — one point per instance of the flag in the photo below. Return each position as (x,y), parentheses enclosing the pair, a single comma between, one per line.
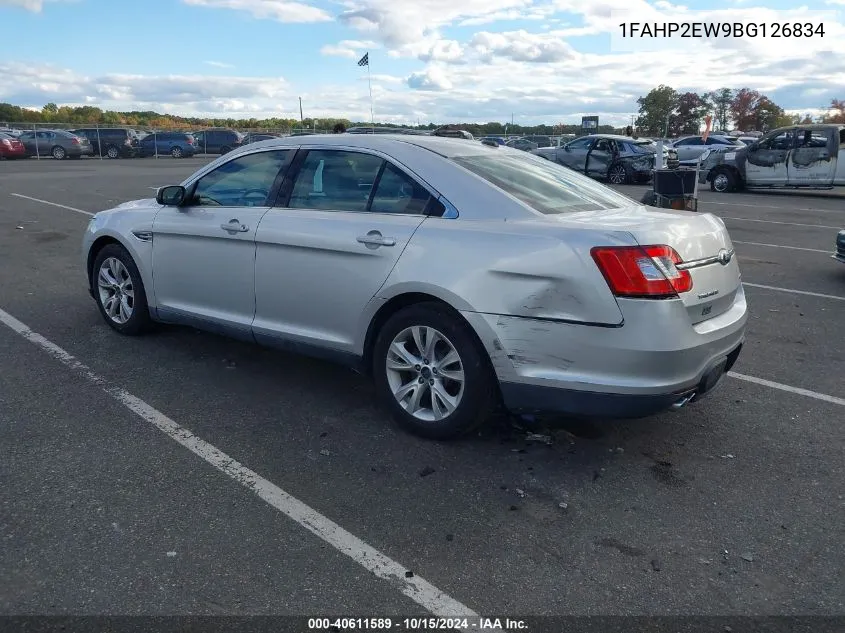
(365,60)
(708,120)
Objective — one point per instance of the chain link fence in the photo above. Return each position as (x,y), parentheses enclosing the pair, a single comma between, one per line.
(101,137)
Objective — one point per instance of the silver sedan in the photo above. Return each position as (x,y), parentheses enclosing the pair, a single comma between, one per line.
(462,277)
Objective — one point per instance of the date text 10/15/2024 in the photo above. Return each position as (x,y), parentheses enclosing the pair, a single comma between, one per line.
(416,625)
(778,30)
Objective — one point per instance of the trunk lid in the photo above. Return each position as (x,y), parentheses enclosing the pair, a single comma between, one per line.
(698,238)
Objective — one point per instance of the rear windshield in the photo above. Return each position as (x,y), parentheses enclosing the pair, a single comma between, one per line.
(543,185)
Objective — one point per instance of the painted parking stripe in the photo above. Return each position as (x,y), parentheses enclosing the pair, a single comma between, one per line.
(796,390)
(52,204)
(768,206)
(793,291)
(416,588)
(815,226)
(794,248)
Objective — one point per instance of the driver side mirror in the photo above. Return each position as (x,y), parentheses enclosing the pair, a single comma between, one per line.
(566,148)
(171,196)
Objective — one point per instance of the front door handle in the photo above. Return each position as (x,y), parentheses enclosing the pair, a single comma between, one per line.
(234,225)
(374,239)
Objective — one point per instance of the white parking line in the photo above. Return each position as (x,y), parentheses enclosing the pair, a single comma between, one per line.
(52,204)
(794,248)
(793,291)
(790,389)
(815,226)
(767,206)
(416,588)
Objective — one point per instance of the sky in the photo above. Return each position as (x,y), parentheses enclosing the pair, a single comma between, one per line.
(441,61)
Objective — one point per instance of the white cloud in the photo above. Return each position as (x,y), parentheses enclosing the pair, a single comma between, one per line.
(351,49)
(431,79)
(36,6)
(219,64)
(280,10)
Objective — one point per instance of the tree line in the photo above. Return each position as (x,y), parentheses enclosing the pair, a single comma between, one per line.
(667,112)
(662,112)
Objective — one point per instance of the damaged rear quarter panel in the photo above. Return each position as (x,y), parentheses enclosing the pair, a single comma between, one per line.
(517,268)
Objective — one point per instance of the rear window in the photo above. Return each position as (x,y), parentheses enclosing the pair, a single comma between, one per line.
(543,185)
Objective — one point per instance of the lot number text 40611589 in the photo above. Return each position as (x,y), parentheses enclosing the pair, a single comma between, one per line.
(415,625)
(721,29)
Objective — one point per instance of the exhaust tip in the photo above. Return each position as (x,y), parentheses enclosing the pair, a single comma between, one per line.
(682,402)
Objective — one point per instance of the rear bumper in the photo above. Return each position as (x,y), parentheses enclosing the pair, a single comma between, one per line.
(653,360)
(527,398)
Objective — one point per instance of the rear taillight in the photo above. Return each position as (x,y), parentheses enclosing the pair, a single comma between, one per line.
(75,140)
(642,271)
(190,141)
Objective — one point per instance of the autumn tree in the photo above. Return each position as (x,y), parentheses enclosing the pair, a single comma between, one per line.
(655,109)
(838,112)
(691,110)
(719,103)
(743,108)
(767,114)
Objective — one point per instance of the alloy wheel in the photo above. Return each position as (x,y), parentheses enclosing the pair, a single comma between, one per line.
(116,291)
(720,183)
(617,175)
(425,373)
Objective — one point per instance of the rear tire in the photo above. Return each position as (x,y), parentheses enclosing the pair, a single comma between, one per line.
(112,152)
(617,174)
(115,278)
(458,392)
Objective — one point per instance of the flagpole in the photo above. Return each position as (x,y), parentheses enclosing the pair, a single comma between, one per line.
(370,84)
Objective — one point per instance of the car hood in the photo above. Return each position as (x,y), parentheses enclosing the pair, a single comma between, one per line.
(139,204)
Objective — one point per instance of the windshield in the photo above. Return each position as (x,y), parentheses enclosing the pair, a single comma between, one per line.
(543,185)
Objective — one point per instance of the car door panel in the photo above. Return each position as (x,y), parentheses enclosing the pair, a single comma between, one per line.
(204,252)
(600,158)
(320,260)
(574,155)
(813,161)
(766,162)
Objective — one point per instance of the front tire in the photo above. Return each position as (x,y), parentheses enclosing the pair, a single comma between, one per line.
(59,152)
(112,152)
(431,374)
(119,291)
(723,181)
(176,152)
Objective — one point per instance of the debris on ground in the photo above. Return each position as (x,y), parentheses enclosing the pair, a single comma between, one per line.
(747,556)
(513,508)
(409,574)
(324,434)
(425,472)
(539,437)
(728,456)
(171,554)
(520,492)
(19,228)
(325,452)
(655,565)
(563,505)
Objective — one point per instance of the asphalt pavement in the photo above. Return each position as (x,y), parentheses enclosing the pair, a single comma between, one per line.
(733,506)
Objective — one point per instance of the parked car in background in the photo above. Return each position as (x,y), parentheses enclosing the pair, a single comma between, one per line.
(458,275)
(541,139)
(11,147)
(216,141)
(747,140)
(619,159)
(690,148)
(176,144)
(522,143)
(59,144)
(811,156)
(496,139)
(114,142)
(254,137)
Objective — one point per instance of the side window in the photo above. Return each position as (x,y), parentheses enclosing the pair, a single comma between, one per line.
(26,136)
(396,192)
(335,180)
(806,138)
(715,140)
(842,137)
(245,181)
(778,142)
(581,143)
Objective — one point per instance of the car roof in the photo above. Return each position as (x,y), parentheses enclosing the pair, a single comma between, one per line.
(448,147)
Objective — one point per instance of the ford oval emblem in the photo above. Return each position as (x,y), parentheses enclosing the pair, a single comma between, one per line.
(725,256)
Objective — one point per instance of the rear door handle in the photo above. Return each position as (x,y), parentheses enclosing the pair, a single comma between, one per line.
(234,225)
(374,238)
